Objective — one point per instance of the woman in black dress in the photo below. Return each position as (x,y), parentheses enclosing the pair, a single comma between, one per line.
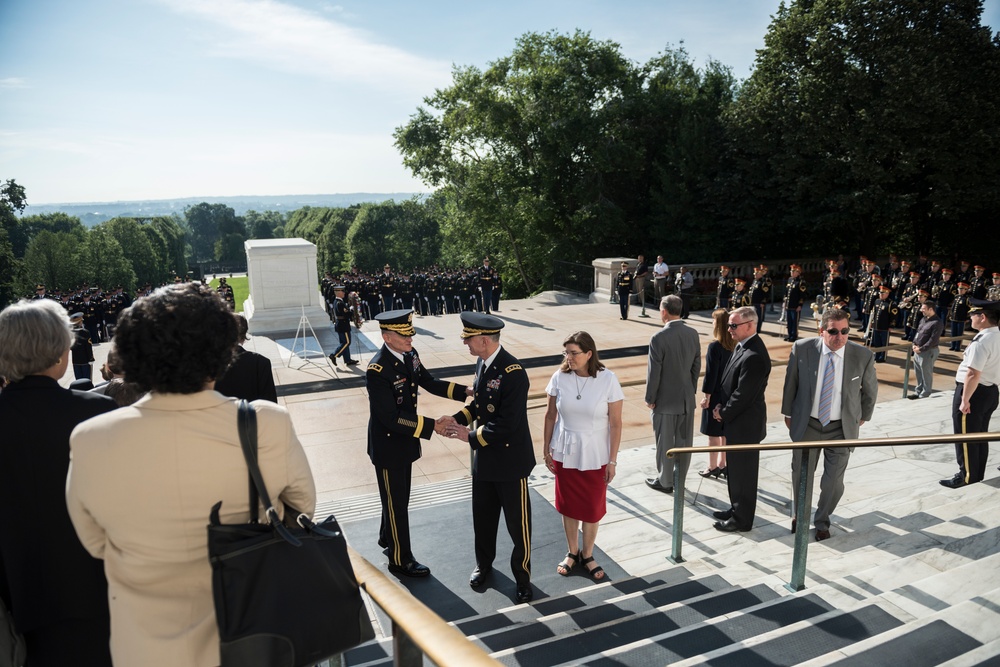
(716,357)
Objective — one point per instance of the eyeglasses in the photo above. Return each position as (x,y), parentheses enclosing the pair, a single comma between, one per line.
(734,325)
(842,332)
(568,353)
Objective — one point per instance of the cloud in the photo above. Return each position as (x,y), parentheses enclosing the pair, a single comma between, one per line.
(295,40)
(13,82)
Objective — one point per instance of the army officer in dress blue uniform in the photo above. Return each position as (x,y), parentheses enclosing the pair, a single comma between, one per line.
(495,424)
(395,430)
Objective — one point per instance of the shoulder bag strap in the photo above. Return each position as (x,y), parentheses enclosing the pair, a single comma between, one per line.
(248,441)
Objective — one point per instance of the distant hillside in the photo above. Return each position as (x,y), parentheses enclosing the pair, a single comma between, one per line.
(94,213)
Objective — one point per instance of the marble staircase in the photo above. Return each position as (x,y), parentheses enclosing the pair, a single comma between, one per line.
(911,578)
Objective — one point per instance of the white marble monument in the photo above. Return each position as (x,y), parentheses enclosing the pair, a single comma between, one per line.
(283,280)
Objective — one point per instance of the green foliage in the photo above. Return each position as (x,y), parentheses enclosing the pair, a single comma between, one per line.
(103,260)
(331,246)
(52,259)
(263,225)
(207,224)
(563,149)
(876,121)
(12,201)
(402,234)
(147,264)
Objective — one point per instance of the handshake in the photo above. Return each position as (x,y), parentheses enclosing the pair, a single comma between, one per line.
(448,427)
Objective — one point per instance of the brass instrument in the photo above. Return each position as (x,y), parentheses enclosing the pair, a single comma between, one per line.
(784,303)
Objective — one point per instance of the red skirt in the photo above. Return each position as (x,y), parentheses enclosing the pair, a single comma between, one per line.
(581,494)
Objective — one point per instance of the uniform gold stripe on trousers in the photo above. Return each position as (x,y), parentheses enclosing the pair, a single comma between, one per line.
(396,556)
(526,527)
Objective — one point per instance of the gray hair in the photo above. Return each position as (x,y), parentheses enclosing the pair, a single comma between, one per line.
(746,313)
(672,304)
(34,336)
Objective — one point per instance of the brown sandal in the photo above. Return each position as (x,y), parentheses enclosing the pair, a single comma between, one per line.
(564,569)
(597,574)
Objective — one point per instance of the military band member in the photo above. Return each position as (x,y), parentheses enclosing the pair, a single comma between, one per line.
(861,282)
(978,285)
(739,297)
(495,424)
(958,316)
(795,296)
(759,293)
(993,293)
(882,316)
(623,286)
(944,290)
(910,304)
(871,295)
(395,430)
(724,291)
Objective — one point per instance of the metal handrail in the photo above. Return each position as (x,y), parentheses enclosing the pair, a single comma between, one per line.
(416,630)
(804,492)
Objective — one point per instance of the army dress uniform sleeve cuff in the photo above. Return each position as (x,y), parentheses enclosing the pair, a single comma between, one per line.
(464,417)
(477,435)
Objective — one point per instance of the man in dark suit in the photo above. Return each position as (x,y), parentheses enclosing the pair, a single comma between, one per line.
(249,376)
(671,383)
(741,409)
(830,391)
(495,424)
(395,430)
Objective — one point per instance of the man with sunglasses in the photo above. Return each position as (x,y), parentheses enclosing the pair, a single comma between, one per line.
(976,396)
(830,391)
(741,408)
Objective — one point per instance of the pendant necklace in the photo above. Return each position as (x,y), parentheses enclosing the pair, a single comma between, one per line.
(579,390)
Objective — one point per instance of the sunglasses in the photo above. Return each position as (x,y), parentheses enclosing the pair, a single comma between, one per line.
(737,324)
(842,332)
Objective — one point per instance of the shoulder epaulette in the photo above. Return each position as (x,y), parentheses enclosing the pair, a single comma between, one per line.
(512,368)
(375,367)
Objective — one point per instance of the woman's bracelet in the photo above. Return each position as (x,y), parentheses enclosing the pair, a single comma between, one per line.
(612,463)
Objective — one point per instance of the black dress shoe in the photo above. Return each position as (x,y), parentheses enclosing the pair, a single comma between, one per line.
(955,482)
(478,576)
(411,569)
(333,359)
(723,515)
(524,594)
(913,397)
(730,526)
(656,486)
(352,362)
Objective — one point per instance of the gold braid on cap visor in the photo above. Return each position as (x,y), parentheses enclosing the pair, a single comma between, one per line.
(469,333)
(401,329)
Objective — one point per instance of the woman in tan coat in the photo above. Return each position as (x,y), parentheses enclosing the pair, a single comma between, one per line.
(144,478)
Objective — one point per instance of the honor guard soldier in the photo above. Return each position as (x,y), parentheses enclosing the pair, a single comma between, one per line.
(724,290)
(387,289)
(495,424)
(795,296)
(39,293)
(395,430)
(487,281)
(432,294)
(93,315)
(341,314)
(882,316)
(623,286)
(958,316)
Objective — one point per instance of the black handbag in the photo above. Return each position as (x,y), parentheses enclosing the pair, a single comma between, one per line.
(284,596)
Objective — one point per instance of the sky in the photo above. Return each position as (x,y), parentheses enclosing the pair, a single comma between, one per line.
(117,100)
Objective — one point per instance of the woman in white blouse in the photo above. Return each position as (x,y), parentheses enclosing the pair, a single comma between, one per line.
(583,429)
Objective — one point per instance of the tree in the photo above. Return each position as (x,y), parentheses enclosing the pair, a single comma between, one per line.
(104,262)
(148,266)
(52,259)
(207,223)
(263,225)
(12,201)
(399,234)
(876,121)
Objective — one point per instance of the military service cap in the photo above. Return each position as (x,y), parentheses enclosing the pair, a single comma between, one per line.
(480,324)
(400,321)
(980,305)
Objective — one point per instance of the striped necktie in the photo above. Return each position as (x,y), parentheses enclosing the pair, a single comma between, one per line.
(826,392)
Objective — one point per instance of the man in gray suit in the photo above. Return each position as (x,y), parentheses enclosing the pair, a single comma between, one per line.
(671,383)
(830,391)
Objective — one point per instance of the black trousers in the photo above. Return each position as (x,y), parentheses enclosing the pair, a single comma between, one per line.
(488,500)
(761,309)
(742,470)
(394,492)
(972,455)
(344,350)
(83,642)
(623,299)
